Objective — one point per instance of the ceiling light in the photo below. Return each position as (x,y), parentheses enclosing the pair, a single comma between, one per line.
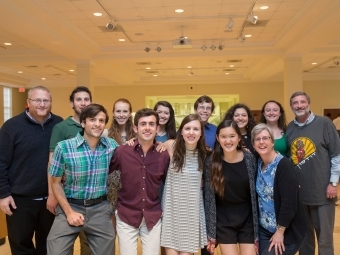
(110,26)
(191,73)
(71,70)
(7,43)
(220,47)
(147,49)
(204,47)
(247,36)
(148,68)
(43,78)
(231,65)
(265,7)
(121,40)
(19,71)
(213,47)
(155,75)
(230,25)
(179,10)
(314,63)
(252,19)
(241,38)
(226,73)
(97,14)
(158,49)
(189,66)
(336,62)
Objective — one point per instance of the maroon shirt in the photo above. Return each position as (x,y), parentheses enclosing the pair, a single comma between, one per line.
(140,177)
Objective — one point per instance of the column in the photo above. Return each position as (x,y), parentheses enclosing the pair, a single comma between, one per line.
(85,75)
(292,82)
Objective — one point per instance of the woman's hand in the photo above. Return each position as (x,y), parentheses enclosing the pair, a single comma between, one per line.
(131,141)
(160,147)
(277,242)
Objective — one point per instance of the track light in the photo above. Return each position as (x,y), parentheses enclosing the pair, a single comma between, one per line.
(158,49)
(213,47)
(241,38)
(336,62)
(204,47)
(191,73)
(220,47)
(229,26)
(147,49)
(110,26)
(252,19)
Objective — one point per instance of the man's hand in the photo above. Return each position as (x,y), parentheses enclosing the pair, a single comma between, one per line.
(5,203)
(75,219)
(51,203)
(332,191)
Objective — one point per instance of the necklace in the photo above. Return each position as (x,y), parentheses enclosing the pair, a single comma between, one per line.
(161,134)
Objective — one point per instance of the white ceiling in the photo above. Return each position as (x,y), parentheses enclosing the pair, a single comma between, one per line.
(49,37)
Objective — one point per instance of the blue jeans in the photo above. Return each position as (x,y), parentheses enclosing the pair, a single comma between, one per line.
(265,235)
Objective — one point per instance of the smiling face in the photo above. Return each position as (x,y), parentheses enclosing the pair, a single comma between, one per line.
(94,126)
(241,118)
(300,106)
(191,133)
(146,129)
(39,110)
(204,111)
(271,112)
(228,139)
(80,100)
(164,114)
(263,143)
(121,112)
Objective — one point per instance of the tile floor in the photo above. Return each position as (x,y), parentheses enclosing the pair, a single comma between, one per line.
(5,250)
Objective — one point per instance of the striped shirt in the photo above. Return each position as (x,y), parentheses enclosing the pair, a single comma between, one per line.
(86,171)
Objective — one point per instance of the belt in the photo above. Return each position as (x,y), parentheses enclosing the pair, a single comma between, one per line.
(87,202)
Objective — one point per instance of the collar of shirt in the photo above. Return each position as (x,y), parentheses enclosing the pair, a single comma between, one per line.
(29,116)
(137,145)
(271,165)
(80,140)
(309,120)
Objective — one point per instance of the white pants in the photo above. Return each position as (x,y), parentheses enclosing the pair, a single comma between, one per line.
(128,237)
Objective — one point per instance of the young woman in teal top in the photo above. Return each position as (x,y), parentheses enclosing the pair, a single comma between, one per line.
(167,123)
(273,115)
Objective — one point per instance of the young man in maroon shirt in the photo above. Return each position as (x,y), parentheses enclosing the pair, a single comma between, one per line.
(142,171)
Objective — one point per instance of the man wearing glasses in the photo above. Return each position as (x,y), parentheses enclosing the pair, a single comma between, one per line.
(204,107)
(24,145)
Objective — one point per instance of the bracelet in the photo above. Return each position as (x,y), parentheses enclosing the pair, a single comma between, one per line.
(280,227)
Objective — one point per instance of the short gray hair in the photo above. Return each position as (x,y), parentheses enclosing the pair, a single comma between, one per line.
(258,129)
(299,93)
(38,88)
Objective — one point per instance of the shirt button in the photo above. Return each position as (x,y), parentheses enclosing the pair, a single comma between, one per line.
(143,199)
(143,188)
(143,166)
(143,177)
(143,210)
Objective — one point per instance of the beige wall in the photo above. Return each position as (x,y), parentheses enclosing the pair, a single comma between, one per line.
(1,105)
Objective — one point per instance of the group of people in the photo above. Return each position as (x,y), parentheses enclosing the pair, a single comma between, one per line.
(248,188)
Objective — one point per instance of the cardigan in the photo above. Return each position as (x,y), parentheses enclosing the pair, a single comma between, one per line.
(289,210)
(210,200)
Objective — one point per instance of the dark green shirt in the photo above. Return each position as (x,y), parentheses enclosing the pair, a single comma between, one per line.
(64,130)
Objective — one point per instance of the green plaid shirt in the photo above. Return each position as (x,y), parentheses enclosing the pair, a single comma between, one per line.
(86,171)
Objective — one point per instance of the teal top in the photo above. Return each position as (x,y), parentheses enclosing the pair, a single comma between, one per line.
(281,146)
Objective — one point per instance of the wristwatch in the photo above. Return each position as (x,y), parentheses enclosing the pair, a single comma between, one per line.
(334,184)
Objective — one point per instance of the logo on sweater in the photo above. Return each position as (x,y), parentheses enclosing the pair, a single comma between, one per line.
(302,149)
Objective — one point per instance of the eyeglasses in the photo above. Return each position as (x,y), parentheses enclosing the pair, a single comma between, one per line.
(39,101)
(204,108)
(264,139)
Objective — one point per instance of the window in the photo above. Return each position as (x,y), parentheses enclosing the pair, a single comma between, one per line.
(7,103)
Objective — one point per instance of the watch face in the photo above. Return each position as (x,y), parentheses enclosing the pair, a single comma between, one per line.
(334,184)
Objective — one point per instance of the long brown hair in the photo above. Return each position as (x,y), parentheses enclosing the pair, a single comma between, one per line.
(114,130)
(281,123)
(217,180)
(180,149)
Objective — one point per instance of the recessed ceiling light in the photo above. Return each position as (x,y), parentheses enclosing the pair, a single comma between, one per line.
(148,68)
(7,43)
(264,7)
(231,65)
(189,66)
(19,71)
(121,40)
(314,63)
(179,10)
(71,70)
(43,78)
(97,14)
(155,75)
(226,73)
(248,35)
